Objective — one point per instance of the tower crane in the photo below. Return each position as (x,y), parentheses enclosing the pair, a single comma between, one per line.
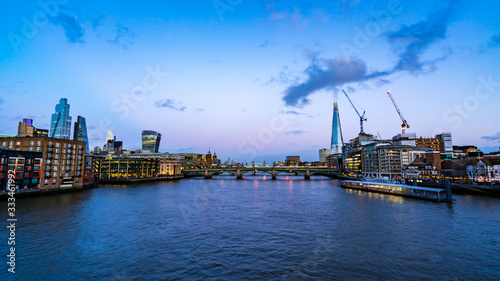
(405,124)
(361,117)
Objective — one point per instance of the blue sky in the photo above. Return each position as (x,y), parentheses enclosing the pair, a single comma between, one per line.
(253,80)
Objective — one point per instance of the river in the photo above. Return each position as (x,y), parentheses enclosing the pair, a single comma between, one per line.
(228,229)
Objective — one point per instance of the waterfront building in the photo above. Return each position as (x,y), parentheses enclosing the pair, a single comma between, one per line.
(483,170)
(125,167)
(151,140)
(63,160)
(88,172)
(25,166)
(441,142)
(80,132)
(60,127)
(169,168)
(26,128)
(351,153)
(337,140)
(292,161)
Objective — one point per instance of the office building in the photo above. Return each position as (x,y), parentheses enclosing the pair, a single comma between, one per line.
(337,140)
(60,127)
(80,132)
(151,140)
(42,132)
(323,153)
(26,128)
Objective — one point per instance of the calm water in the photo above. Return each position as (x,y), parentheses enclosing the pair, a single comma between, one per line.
(225,229)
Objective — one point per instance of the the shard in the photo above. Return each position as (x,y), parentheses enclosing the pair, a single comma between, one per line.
(337,140)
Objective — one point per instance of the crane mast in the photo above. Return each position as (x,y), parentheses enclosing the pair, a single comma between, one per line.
(405,124)
(361,117)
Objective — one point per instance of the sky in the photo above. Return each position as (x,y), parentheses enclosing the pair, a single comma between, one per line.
(253,80)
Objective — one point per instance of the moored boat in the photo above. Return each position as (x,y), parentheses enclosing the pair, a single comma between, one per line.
(418,192)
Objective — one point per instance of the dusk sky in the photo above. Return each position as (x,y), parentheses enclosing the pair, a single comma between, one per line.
(253,80)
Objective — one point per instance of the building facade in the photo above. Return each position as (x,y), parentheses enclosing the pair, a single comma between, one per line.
(80,132)
(60,127)
(24,167)
(337,140)
(26,128)
(151,140)
(63,161)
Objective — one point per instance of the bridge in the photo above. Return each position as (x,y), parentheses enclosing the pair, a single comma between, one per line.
(307,172)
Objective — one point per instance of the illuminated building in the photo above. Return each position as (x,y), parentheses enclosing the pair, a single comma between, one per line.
(80,132)
(60,127)
(151,140)
(26,128)
(337,140)
(63,161)
(24,166)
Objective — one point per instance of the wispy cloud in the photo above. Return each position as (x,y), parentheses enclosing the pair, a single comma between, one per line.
(409,43)
(123,37)
(265,43)
(347,5)
(200,109)
(72,28)
(296,132)
(494,41)
(495,137)
(170,103)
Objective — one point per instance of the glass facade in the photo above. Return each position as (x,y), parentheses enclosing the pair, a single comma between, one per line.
(337,140)
(80,132)
(151,141)
(60,126)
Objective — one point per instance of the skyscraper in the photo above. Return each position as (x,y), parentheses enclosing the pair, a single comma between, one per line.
(80,132)
(60,126)
(337,140)
(151,140)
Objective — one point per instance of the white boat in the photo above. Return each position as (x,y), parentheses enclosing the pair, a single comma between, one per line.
(419,192)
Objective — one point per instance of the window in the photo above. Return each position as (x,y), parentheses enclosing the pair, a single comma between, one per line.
(12,168)
(19,175)
(57,150)
(37,161)
(38,149)
(12,161)
(56,156)
(69,145)
(56,162)
(54,175)
(57,144)
(46,181)
(55,168)
(53,181)
(19,168)
(4,144)
(38,143)
(18,143)
(20,161)
(30,149)
(37,168)
(32,143)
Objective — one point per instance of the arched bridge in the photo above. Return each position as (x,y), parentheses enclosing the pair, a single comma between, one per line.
(307,172)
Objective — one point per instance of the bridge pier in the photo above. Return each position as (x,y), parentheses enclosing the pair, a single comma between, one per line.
(307,176)
(207,175)
(273,174)
(239,176)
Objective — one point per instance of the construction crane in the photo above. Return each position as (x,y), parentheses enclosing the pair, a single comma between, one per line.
(405,124)
(361,117)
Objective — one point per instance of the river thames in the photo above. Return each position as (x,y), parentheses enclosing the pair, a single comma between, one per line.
(228,229)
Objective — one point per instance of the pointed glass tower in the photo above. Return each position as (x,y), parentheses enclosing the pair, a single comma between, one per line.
(337,140)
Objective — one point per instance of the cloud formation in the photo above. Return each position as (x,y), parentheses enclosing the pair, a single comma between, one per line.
(495,137)
(494,41)
(296,132)
(409,44)
(123,37)
(72,28)
(169,103)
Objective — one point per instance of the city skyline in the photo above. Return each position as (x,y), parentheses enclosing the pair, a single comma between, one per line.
(255,80)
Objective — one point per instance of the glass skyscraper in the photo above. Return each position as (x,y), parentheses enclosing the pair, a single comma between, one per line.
(151,141)
(60,126)
(80,132)
(337,140)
